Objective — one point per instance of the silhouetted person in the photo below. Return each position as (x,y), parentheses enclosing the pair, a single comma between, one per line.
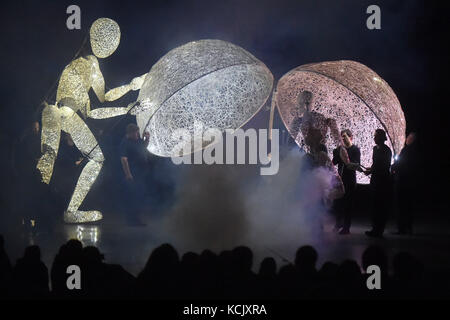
(375,255)
(266,287)
(209,274)
(226,272)
(347,172)
(243,279)
(159,279)
(305,265)
(349,280)
(5,271)
(190,275)
(406,170)
(30,275)
(327,281)
(134,157)
(287,282)
(380,183)
(227,275)
(101,280)
(323,193)
(268,268)
(94,280)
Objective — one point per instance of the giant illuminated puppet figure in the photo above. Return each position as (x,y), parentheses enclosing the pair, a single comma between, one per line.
(212,82)
(72,96)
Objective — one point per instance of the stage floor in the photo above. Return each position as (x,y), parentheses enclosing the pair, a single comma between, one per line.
(131,246)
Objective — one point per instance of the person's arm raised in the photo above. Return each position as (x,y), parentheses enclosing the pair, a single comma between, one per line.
(126,168)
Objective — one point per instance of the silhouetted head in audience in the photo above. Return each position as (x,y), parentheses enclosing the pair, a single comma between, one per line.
(242,259)
(74,246)
(375,255)
(328,270)
(406,267)
(208,255)
(349,270)
(268,267)
(226,261)
(286,275)
(70,252)
(306,259)
(92,255)
(32,254)
(208,259)
(164,256)
(225,256)
(189,258)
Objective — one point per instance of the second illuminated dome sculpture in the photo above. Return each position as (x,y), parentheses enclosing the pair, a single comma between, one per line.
(346,93)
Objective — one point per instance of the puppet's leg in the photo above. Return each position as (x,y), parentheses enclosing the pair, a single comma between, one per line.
(87,144)
(51,132)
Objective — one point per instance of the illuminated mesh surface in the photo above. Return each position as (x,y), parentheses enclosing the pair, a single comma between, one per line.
(105,37)
(350,93)
(211,81)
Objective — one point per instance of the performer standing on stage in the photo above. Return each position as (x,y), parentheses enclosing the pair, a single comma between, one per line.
(134,157)
(407,170)
(347,157)
(380,183)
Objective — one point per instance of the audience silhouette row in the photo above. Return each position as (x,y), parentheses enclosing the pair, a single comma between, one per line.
(227,275)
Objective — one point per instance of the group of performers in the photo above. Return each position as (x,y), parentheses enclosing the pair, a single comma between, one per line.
(346,161)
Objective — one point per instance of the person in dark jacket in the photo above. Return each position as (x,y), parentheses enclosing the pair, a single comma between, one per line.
(347,171)
(30,275)
(135,158)
(380,183)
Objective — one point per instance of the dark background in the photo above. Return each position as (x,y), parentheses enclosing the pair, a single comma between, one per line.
(408,52)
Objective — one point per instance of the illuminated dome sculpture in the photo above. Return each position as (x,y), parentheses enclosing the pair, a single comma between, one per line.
(350,94)
(212,82)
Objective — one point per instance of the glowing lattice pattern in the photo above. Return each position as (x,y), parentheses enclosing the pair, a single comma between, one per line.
(210,81)
(349,93)
(105,37)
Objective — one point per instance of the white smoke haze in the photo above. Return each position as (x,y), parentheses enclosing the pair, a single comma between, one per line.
(219,207)
(209,212)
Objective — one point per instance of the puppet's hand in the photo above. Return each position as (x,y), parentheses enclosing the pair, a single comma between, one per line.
(136,83)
